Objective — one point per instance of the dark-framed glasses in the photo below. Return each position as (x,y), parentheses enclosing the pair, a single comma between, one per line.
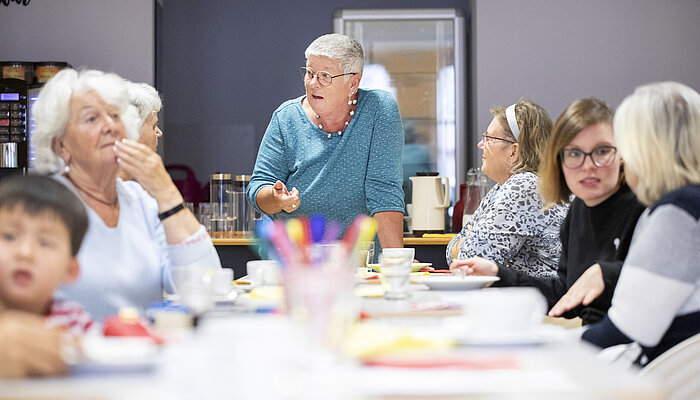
(323,77)
(490,139)
(602,156)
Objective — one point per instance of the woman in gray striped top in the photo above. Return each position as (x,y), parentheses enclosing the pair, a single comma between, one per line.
(657,300)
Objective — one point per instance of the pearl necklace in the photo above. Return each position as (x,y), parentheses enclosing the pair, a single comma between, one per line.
(340,132)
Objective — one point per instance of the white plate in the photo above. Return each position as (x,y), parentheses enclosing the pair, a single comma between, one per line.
(451,282)
(116,354)
(415,267)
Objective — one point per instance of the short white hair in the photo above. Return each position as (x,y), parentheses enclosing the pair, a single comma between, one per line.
(52,108)
(657,130)
(145,98)
(346,50)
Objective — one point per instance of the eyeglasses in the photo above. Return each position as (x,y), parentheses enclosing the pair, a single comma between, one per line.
(602,156)
(489,139)
(323,77)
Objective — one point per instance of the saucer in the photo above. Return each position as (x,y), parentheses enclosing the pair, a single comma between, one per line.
(451,282)
(415,267)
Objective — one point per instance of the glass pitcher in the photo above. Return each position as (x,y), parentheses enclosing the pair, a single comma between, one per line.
(478,184)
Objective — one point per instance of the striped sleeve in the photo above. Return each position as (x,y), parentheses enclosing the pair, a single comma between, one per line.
(68,315)
(659,279)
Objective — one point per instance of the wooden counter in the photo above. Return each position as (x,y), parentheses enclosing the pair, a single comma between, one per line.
(235,242)
(409,241)
(234,253)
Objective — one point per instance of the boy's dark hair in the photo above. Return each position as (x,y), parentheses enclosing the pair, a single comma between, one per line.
(40,194)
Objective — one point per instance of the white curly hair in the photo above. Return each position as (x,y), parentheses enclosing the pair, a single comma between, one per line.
(145,98)
(52,108)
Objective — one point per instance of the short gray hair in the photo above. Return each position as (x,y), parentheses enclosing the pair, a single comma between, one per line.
(51,110)
(145,98)
(348,51)
(656,130)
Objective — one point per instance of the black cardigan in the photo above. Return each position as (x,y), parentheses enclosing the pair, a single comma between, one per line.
(589,235)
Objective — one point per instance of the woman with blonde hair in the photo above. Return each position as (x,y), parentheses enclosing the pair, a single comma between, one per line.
(510,226)
(581,159)
(657,300)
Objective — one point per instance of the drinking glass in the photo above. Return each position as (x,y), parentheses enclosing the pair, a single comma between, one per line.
(194,284)
(366,254)
(204,216)
(395,272)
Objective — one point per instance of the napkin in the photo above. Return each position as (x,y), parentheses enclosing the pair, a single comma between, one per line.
(267,293)
(368,340)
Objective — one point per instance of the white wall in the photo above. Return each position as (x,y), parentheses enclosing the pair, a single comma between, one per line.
(110,35)
(554,51)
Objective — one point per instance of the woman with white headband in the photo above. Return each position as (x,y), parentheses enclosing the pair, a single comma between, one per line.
(580,160)
(511,227)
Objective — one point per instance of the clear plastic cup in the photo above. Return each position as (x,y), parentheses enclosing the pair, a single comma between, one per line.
(396,272)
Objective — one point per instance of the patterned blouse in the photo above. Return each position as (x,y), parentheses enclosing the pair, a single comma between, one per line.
(511,228)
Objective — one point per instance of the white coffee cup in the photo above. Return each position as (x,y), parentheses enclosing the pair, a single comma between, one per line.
(409,252)
(499,310)
(263,272)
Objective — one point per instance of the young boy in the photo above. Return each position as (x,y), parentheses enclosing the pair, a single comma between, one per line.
(42,224)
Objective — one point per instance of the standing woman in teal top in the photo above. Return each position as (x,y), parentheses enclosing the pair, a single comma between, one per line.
(336,150)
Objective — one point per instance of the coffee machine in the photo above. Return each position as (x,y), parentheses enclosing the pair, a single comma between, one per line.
(20,84)
(14,127)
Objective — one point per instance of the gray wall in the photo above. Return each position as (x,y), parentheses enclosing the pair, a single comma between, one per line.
(555,51)
(224,67)
(115,36)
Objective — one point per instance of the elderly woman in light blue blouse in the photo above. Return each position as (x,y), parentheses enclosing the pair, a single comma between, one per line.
(510,226)
(86,133)
(337,147)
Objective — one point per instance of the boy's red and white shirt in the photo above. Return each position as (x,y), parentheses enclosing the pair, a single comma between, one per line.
(68,315)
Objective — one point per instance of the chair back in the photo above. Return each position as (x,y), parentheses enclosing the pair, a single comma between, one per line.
(678,370)
(189,186)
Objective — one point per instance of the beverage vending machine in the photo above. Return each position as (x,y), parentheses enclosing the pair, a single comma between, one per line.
(20,84)
(14,151)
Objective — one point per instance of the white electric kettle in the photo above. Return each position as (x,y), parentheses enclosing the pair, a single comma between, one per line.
(430,199)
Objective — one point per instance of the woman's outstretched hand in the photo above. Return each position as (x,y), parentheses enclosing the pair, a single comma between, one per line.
(587,288)
(288,201)
(475,266)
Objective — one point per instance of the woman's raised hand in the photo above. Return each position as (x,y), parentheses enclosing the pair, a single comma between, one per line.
(288,201)
(146,166)
(475,266)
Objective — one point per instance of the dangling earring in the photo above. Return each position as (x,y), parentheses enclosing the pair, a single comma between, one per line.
(66,169)
(351,101)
